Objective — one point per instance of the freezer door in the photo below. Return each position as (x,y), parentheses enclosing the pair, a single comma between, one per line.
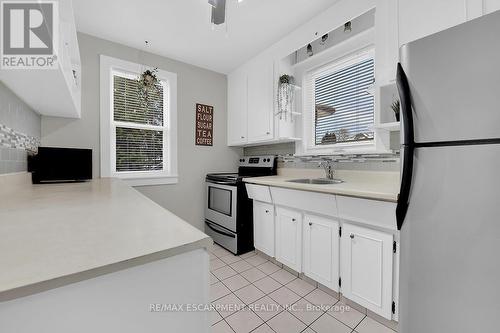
(454,79)
(450,242)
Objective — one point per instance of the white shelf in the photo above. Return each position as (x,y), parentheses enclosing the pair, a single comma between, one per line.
(391,127)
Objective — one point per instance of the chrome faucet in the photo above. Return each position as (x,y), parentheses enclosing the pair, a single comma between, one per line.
(329,169)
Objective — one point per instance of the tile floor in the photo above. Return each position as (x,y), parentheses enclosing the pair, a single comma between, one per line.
(252,294)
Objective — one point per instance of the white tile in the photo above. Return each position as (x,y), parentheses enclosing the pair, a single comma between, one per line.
(308,330)
(284,296)
(249,294)
(241,266)
(267,284)
(319,297)
(214,317)
(235,282)
(300,287)
(213,279)
(228,305)
(256,260)
(328,324)
(216,264)
(221,327)
(248,255)
(253,274)
(218,290)
(263,329)
(244,321)
(286,323)
(346,314)
(222,252)
(305,311)
(269,267)
(369,325)
(283,276)
(266,308)
(230,259)
(224,272)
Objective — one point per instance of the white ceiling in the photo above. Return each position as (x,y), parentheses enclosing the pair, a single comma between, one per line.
(180,29)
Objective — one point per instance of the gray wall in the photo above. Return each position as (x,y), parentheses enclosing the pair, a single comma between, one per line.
(19,131)
(195,85)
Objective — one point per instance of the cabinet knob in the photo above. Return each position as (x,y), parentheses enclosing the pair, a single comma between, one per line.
(267,211)
(352,236)
(242,137)
(268,133)
(293,220)
(310,224)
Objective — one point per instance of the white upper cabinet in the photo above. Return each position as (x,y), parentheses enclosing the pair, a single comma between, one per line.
(260,101)
(263,227)
(367,268)
(53,92)
(237,84)
(421,18)
(321,250)
(289,237)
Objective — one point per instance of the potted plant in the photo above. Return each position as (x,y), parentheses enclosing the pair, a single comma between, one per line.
(395,106)
(285,95)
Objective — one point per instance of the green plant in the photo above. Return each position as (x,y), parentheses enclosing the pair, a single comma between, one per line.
(285,78)
(396,106)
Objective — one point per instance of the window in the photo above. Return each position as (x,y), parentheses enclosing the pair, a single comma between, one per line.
(340,106)
(138,137)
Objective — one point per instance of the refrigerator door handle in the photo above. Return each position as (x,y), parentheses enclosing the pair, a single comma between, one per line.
(408,145)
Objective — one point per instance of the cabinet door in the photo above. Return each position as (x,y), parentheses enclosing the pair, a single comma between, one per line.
(366,268)
(263,227)
(260,101)
(237,108)
(321,250)
(289,237)
(421,18)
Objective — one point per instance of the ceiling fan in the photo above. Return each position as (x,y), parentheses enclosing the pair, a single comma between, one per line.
(218,11)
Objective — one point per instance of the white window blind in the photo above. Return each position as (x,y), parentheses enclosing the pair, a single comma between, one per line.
(139,126)
(343,109)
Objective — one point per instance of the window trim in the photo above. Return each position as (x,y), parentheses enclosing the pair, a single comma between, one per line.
(309,145)
(108,67)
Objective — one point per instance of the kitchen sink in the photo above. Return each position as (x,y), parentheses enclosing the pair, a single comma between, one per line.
(316,181)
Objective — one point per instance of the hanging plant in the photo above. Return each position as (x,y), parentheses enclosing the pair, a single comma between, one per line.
(148,85)
(286,94)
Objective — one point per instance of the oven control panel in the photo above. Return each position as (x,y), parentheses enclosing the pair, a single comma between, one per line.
(257,161)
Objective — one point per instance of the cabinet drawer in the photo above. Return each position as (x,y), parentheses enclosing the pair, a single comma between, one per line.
(373,212)
(314,202)
(259,193)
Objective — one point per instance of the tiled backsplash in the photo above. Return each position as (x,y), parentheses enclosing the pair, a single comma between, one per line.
(20,128)
(285,151)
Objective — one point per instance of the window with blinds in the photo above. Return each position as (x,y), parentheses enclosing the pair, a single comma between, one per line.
(139,126)
(343,109)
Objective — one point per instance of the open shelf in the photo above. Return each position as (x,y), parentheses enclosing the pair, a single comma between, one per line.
(391,127)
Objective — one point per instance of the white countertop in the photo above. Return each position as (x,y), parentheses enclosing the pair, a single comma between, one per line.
(56,234)
(377,185)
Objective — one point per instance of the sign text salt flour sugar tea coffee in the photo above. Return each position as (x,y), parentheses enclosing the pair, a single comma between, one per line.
(204,125)
(29,34)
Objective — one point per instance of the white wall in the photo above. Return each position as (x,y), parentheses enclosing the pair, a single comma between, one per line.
(195,85)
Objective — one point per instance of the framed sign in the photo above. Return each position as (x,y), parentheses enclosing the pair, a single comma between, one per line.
(204,125)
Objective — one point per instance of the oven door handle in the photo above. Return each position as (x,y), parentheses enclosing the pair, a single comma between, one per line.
(219,231)
(220,182)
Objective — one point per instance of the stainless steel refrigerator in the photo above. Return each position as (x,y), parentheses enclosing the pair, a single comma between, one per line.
(449,205)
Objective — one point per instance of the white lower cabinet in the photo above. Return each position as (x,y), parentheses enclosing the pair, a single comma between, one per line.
(321,250)
(263,227)
(289,237)
(367,268)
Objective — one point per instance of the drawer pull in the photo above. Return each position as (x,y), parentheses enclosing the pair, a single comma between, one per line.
(310,224)
(352,236)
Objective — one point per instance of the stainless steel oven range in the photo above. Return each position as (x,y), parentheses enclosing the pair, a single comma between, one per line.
(228,210)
